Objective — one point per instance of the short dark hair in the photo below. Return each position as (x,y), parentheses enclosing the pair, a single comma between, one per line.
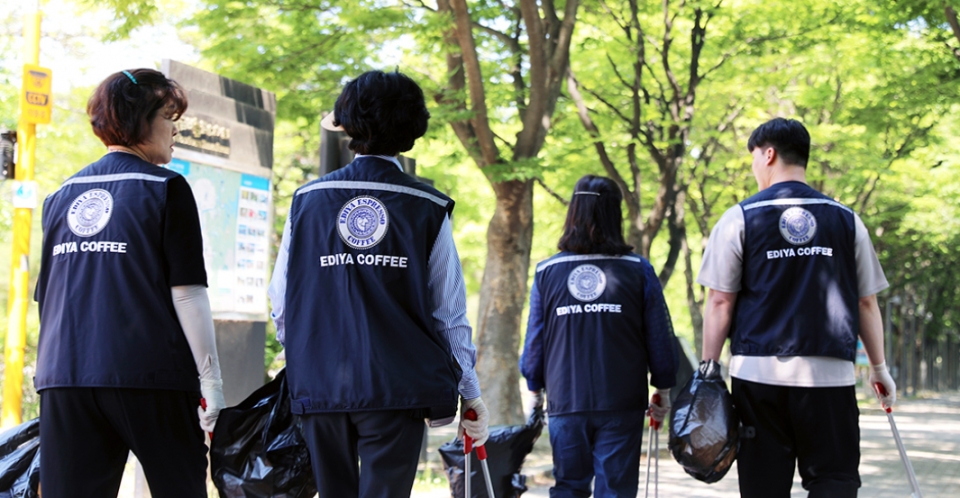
(122,107)
(384,113)
(594,220)
(787,136)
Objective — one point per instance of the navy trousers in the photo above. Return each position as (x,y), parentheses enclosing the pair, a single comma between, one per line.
(386,444)
(87,434)
(602,444)
(813,429)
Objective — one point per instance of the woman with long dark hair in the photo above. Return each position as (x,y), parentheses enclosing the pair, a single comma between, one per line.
(598,323)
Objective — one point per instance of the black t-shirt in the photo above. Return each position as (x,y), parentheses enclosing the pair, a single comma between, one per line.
(182,240)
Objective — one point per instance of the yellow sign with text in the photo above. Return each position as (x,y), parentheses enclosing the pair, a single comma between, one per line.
(36,99)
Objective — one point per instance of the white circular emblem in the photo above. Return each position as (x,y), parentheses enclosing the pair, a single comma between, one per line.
(90,212)
(586,282)
(797,225)
(362,222)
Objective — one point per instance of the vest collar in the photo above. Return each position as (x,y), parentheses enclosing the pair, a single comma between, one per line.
(385,158)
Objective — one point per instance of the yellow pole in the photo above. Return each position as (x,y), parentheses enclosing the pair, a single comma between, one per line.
(19,272)
(13,353)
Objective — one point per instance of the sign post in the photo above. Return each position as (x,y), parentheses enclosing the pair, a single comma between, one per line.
(224,148)
(35,108)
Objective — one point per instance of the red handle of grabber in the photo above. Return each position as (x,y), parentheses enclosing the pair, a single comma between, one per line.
(203,404)
(471,414)
(653,423)
(882,391)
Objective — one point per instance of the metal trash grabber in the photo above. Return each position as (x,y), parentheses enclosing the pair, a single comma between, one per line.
(654,442)
(911,475)
(471,414)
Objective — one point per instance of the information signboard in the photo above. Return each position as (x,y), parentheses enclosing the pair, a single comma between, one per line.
(36,99)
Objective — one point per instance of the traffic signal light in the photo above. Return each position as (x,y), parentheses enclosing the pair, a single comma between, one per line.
(8,144)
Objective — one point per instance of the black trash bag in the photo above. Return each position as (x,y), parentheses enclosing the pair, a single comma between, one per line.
(20,460)
(507,447)
(704,426)
(258,450)
(28,484)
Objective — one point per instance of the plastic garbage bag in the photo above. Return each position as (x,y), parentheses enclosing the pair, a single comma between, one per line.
(20,460)
(704,427)
(257,449)
(507,447)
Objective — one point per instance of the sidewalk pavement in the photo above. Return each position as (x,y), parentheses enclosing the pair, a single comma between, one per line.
(929,426)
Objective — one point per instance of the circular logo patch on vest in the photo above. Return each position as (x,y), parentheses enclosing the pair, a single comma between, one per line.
(797,225)
(586,282)
(362,222)
(90,212)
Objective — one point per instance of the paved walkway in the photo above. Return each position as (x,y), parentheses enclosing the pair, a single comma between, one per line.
(930,428)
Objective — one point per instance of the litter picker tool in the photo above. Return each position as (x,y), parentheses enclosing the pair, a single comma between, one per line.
(911,475)
(471,414)
(653,452)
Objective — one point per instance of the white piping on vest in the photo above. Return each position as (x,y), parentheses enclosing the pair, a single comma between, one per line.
(585,257)
(112,178)
(795,201)
(373,186)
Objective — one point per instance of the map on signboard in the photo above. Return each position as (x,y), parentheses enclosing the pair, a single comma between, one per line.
(234,220)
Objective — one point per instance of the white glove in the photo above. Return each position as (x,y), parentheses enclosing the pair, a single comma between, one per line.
(476,429)
(537,397)
(880,374)
(659,411)
(212,392)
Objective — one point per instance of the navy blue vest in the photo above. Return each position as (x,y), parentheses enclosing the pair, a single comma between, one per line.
(594,350)
(798,293)
(358,312)
(106,315)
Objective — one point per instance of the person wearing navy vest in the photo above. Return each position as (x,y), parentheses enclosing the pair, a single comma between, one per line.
(127,346)
(793,279)
(369,302)
(598,323)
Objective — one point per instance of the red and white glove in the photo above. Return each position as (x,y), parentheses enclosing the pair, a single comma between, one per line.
(880,374)
(660,410)
(476,429)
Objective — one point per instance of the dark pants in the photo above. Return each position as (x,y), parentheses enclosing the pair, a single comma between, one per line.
(602,444)
(87,434)
(386,444)
(815,429)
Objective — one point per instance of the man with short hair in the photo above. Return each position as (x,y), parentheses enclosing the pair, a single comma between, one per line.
(793,279)
(369,302)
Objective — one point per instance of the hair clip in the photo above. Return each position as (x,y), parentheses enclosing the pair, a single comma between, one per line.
(127,73)
(584,192)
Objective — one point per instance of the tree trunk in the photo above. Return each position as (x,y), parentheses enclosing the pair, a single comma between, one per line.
(694,304)
(502,296)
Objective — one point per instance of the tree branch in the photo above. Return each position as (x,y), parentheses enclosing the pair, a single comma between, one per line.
(591,127)
(607,103)
(954,26)
(536,105)
(665,53)
(616,71)
(616,19)
(471,63)
(553,194)
(512,43)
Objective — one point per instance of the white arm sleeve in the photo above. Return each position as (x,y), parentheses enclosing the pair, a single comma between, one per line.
(278,283)
(193,310)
